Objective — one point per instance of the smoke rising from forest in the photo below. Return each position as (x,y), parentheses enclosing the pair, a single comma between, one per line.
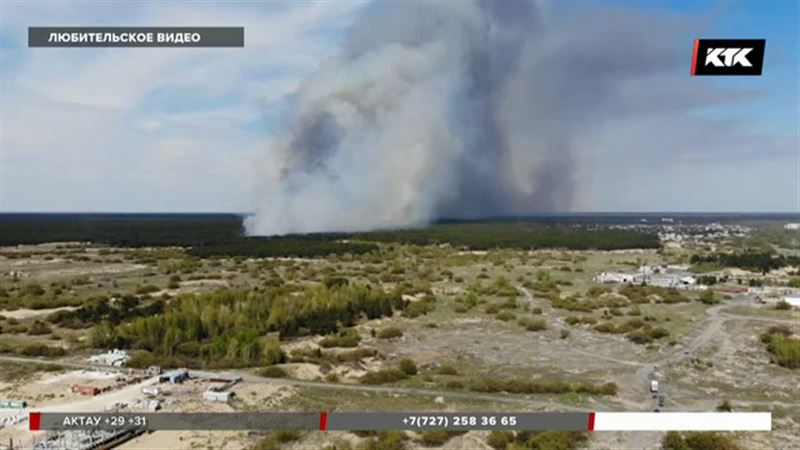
(456,110)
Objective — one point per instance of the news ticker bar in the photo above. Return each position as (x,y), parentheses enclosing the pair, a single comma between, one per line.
(380,421)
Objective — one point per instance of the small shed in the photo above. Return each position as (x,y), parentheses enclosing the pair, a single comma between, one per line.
(175,376)
(18,404)
(151,390)
(217,396)
(85,389)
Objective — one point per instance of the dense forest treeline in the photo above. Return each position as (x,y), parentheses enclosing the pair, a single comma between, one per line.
(228,327)
(101,309)
(222,235)
(206,234)
(303,247)
(519,235)
(122,230)
(749,260)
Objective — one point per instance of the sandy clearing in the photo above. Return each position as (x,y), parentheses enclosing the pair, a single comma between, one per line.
(24,313)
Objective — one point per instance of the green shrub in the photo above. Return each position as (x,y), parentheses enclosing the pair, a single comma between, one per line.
(607,327)
(408,367)
(39,328)
(148,289)
(572,320)
(390,333)
(383,376)
(333,281)
(588,320)
(447,370)
(640,337)
(273,372)
(783,305)
(419,307)
(698,440)
(532,324)
(785,351)
(541,386)
(553,439)
(274,440)
(454,384)
(597,291)
(499,440)
(437,438)
(41,350)
(345,338)
(708,297)
(273,354)
(781,330)
(492,309)
(658,333)
(505,316)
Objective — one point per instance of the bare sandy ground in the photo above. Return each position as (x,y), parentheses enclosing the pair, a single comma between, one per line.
(23,313)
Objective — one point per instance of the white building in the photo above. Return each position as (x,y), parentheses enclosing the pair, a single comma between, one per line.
(152,390)
(217,396)
(662,276)
(618,277)
(116,358)
(792,226)
(670,280)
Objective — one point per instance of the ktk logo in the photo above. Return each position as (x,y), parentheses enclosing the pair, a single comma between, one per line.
(732,57)
(728,56)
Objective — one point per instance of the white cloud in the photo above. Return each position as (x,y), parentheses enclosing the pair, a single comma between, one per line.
(148,129)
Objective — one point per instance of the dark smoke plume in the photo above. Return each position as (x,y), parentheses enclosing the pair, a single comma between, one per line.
(453,109)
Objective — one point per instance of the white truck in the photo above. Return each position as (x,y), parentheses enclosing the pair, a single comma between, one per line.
(654,386)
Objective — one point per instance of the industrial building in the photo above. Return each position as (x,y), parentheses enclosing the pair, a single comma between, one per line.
(662,276)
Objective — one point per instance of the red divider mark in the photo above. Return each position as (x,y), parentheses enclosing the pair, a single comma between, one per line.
(323,421)
(591,421)
(35,421)
(694,55)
